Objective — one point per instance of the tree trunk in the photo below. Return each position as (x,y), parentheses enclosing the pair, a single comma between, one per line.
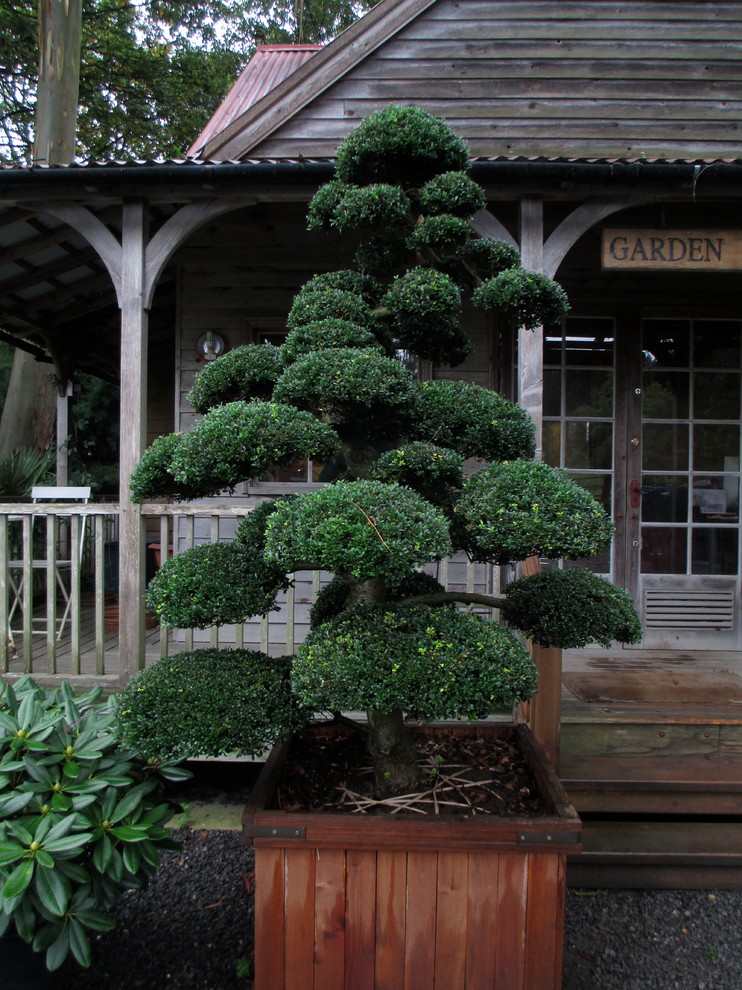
(30,404)
(60,28)
(390,746)
(393,752)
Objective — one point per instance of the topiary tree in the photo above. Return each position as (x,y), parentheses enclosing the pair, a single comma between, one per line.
(384,638)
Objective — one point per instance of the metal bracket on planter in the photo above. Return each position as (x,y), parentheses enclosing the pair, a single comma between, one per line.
(273,832)
(548,838)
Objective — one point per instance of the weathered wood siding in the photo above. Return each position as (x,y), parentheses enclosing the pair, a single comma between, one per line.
(240,273)
(583,79)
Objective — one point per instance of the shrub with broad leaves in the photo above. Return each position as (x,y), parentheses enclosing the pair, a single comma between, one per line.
(82,817)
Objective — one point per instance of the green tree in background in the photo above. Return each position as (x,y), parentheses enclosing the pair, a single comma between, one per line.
(152,71)
(93,443)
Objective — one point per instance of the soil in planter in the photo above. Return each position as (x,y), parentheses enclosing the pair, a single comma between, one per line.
(460,777)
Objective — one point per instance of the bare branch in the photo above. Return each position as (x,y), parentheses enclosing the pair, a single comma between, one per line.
(465,597)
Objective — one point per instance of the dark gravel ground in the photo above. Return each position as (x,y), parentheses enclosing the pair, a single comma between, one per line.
(191,930)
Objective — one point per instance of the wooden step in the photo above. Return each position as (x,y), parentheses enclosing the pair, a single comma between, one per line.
(701,854)
(653,785)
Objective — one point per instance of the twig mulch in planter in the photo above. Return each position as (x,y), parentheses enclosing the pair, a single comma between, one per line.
(461,777)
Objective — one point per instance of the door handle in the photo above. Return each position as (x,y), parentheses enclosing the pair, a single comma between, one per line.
(636,494)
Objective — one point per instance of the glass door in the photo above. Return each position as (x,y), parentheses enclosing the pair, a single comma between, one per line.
(689,483)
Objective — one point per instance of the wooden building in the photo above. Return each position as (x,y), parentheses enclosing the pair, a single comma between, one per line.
(607,137)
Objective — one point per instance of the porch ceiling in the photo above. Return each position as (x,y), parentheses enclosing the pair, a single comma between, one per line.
(57,299)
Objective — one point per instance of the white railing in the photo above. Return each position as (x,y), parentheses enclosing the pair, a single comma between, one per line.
(53,558)
(84,648)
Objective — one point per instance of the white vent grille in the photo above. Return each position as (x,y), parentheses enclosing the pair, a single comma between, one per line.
(689,610)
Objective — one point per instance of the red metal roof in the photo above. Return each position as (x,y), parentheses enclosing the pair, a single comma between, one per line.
(268,67)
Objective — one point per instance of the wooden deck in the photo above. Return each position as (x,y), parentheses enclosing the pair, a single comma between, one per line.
(649,721)
(92,667)
(651,755)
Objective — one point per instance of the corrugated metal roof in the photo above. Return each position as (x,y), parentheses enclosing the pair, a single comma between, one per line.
(186,163)
(268,67)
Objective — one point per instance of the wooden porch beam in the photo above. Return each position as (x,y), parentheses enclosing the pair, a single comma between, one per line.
(545,708)
(95,232)
(134,332)
(571,229)
(486,224)
(176,229)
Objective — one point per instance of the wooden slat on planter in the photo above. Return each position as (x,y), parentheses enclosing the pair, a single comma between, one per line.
(299,887)
(545,914)
(269,919)
(484,872)
(360,900)
(512,900)
(422,884)
(451,920)
(329,918)
(391,911)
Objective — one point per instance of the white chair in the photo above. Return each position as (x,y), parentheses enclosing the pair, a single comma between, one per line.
(62,563)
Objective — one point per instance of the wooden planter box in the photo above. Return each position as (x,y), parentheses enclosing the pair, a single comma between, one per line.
(352,902)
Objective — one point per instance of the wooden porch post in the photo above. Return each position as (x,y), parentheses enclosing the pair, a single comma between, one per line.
(63,429)
(134,327)
(545,709)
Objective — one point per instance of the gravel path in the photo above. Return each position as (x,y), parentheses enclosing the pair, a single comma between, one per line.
(653,940)
(191,931)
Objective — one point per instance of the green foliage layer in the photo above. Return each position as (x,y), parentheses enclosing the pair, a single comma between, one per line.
(209,702)
(451,192)
(377,205)
(346,280)
(320,303)
(214,584)
(247,372)
(441,234)
(572,608)
(348,387)
(365,529)
(326,334)
(404,145)
(526,299)
(430,662)
(153,477)
(472,421)
(425,308)
(521,509)
(241,440)
(434,472)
